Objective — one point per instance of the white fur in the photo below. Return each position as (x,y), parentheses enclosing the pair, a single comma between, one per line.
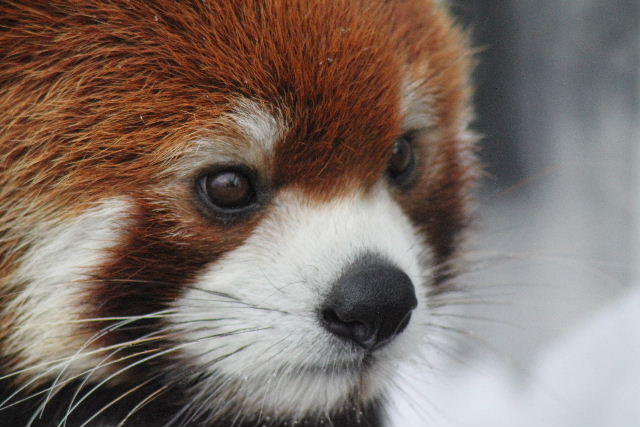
(55,273)
(417,107)
(261,128)
(258,132)
(279,277)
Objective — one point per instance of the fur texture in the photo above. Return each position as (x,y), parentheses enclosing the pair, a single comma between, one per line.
(125,302)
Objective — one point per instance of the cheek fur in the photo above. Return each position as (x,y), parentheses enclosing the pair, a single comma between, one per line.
(57,271)
(251,317)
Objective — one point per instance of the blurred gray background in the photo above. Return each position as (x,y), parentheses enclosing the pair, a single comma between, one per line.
(559,230)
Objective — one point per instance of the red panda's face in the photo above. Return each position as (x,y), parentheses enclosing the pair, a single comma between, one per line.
(244,206)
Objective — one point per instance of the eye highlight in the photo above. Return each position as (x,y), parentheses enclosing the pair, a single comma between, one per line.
(402,162)
(228,190)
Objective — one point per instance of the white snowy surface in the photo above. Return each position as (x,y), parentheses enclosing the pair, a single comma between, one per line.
(589,377)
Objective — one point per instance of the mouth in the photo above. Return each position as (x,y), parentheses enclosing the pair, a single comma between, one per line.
(350,367)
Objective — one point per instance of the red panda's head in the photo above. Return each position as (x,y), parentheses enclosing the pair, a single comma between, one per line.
(218,212)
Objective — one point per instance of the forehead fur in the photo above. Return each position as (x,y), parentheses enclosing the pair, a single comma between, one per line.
(135,81)
(104,99)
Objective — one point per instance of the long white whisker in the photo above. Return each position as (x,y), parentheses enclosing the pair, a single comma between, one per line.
(114,401)
(141,361)
(142,404)
(87,343)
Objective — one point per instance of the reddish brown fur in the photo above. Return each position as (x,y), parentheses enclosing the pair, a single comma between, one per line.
(97,98)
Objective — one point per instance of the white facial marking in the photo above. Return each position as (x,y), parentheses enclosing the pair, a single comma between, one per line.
(417,106)
(261,128)
(251,319)
(55,270)
(255,133)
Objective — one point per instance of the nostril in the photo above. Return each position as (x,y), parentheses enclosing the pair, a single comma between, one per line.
(330,316)
(353,330)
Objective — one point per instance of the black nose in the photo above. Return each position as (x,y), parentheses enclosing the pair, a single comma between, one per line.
(370,304)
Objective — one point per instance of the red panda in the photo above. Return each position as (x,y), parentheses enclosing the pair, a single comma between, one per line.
(224,213)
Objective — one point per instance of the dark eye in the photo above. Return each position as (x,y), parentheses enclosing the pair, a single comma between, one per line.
(402,162)
(227,190)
